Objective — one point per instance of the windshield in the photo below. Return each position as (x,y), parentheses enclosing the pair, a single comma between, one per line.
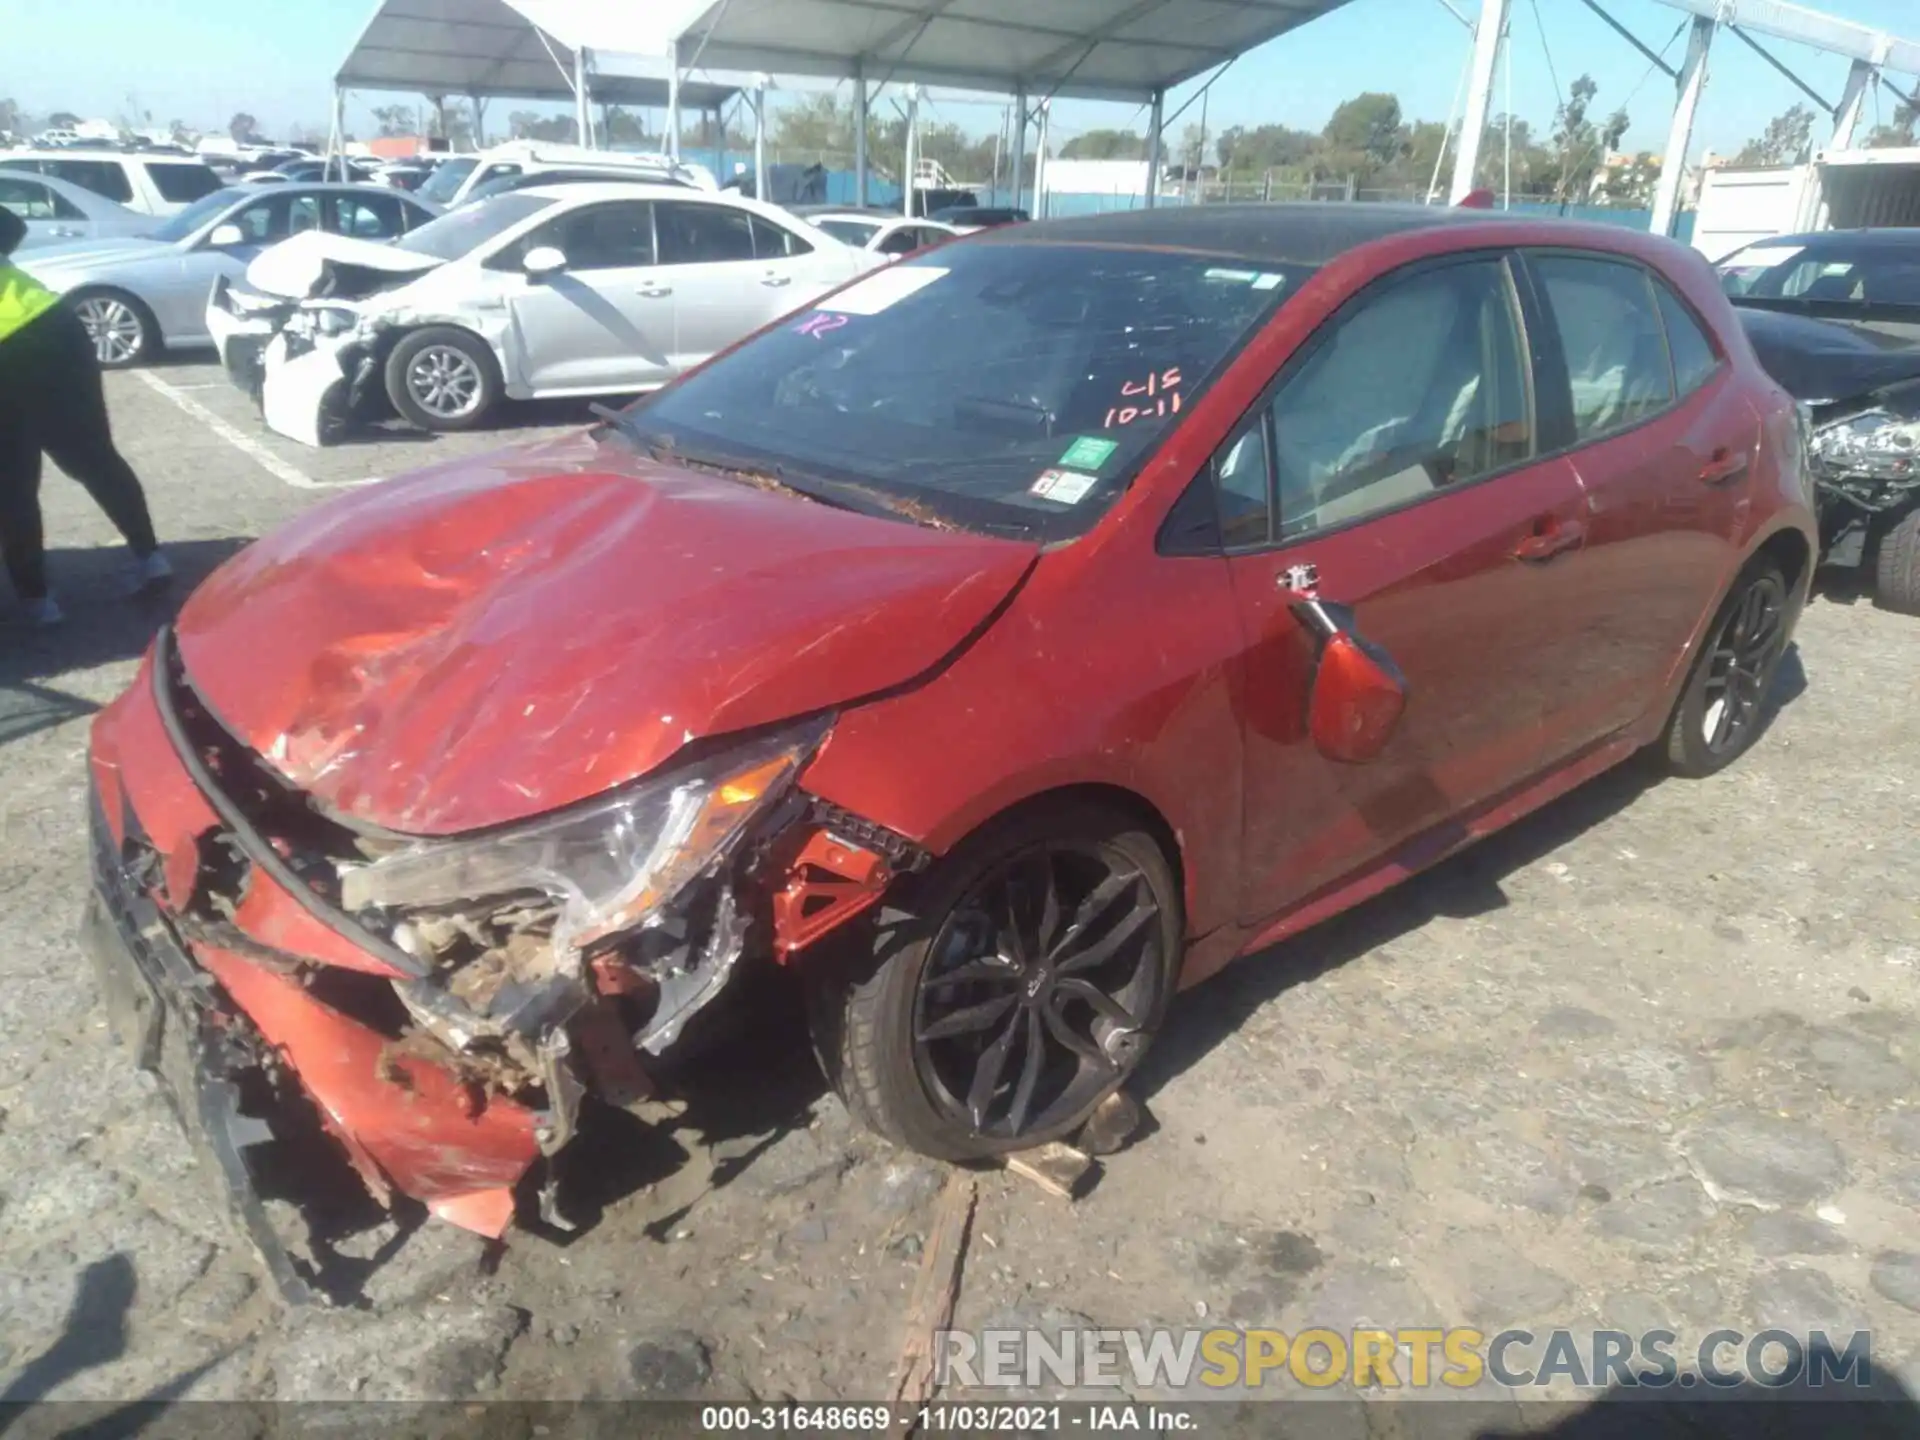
(849,232)
(183,223)
(1879,275)
(460,232)
(1010,388)
(446,178)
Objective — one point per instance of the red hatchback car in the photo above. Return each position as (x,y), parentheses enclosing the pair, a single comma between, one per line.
(1010,639)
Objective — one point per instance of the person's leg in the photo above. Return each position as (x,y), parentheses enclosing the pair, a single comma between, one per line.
(76,433)
(22,536)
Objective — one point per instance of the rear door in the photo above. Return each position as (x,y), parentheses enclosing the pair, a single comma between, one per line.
(732,271)
(49,217)
(1663,441)
(606,321)
(1396,470)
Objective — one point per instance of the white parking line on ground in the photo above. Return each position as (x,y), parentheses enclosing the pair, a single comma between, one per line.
(245,444)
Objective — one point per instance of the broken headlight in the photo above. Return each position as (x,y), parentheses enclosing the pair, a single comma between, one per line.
(608,865)
(334,320)
(1876,444)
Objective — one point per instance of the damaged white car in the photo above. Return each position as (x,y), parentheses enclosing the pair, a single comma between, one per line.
(570,290)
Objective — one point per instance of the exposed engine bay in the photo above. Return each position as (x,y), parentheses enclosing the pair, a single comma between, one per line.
(448,1005)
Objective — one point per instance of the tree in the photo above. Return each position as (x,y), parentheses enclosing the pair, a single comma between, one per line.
(1901,132)
(530,125)
(1367,126)
(814,124)
(1579,145)
(181,133)
(1105,145)
(1266,147)
(10,117)
(62,120)
(395,119)
(1630,184)
(244,129)
(1787,140)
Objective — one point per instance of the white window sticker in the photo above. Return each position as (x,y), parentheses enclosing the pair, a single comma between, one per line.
(882,289)
(1063,487)
(1268,280)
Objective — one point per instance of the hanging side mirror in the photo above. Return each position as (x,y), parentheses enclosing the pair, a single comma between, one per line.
(1358,692)
(225,237)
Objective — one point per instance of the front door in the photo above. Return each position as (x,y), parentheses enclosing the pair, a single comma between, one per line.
(1666,445)
(605,321)
(1393,471)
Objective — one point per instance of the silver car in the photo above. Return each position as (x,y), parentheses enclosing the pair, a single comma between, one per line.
(139,295)
(56,210)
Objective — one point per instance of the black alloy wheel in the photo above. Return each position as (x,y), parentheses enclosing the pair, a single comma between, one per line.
(1723,707)
(1009,990)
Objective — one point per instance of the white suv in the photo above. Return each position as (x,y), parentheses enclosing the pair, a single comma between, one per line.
(150,184)
(457,176)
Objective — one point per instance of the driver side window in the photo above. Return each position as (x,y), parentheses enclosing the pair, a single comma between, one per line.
(263,221)
(1421,385)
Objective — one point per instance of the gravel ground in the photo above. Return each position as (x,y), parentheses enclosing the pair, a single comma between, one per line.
(1648,1059)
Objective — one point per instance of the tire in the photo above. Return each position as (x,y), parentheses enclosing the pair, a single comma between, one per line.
(1721,711)
(871,1000)
(123,331)
(443,378)
(1896,577)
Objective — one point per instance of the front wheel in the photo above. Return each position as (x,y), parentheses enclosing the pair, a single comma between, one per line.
(443,378)
(1722,709)
(120,327)
(1896,578)
(1012,989)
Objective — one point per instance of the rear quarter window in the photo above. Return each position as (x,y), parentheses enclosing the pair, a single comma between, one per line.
(103,177)
(183,184)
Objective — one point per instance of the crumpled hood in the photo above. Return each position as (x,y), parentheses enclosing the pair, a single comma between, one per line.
(497,637)
(295,268)
(1821,361)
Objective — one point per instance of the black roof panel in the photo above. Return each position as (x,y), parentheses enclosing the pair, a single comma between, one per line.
(1302,233)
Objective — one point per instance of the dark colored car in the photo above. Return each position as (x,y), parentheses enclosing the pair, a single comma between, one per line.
(1870,277)
(1218,568)
(1861,389)
(979,217)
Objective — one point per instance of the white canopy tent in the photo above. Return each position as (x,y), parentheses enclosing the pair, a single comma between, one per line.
(1035,50)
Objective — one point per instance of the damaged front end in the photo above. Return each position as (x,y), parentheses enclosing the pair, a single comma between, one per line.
(444,1006)
(1866,468)
(305,336)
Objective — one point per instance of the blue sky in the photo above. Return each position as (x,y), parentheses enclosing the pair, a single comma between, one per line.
(204,60)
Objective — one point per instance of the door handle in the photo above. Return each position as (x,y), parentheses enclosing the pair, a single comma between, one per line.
(1725,465)
(655,292)
(1550,538)
(776,279)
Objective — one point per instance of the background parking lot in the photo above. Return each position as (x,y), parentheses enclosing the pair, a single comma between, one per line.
(1649,1059)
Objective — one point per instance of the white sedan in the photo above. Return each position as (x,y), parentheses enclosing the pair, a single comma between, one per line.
(581,289)
(880,232)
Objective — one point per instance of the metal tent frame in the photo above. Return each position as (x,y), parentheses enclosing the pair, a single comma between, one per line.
(1034,50)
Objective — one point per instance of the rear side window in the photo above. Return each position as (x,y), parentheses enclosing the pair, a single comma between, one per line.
(1610,333)
(103,177)
(703,234)
(33,201)
(1419,385)
(366,217)
(183,184)
(774,242)
(1693,359)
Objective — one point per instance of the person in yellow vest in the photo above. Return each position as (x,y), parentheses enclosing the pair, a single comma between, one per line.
(52,403)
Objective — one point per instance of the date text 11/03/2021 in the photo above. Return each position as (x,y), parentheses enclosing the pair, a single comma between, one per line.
(962,1418)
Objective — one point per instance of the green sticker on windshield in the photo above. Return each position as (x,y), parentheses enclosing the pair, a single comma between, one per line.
(1089,452)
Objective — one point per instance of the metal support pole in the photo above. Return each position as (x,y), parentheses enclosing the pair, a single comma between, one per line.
(760,84)
(1154,119)
(582,112)
(859,132)
(1846,117)
(479,121)
(1673,164)
(1473,123)
(673,98)
(1019,143)
(1040,164)
(911,160)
